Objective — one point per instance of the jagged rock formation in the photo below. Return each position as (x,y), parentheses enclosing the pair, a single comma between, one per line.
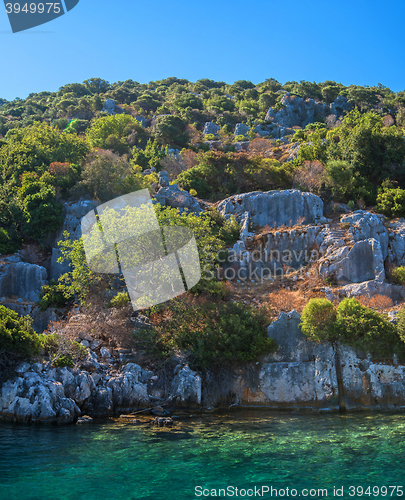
(241,129)
(40,393)
(74,212)
(300,112)
(111,108)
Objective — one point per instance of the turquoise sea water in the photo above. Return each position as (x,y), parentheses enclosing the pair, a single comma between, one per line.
(243,449)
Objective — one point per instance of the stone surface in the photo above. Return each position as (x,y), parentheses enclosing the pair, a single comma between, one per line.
(365,225)
(173,196)
(363,262)
(186,386)
(300,112)
(210,128)
(74,212)
(396,245)
(21,279)
(275,207)
(241,129)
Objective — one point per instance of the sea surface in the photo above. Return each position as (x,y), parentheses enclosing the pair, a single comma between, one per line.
(234,454)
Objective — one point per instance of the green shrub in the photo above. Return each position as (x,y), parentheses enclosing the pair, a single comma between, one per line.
(120,300)
(352,324)
(240,138)
(62,350)
(214,334)
(17,337)
(53,295)
(399,275)
(8,241)
(64,361)
(391,202)
(210,137)
(366,329)
(318,320)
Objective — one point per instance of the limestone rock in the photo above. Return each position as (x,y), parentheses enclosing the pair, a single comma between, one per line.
(21,279)
(173,196)
(365,225)
(186,386)
(297,111)
(241,129)
(300,112)
(363,262)
(275,207)
(396,246)
(127,389)
(242,145)
(211,128)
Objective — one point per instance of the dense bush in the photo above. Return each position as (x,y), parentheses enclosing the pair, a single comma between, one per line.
(214,334)
(318,320)
(391,202)
(53,295)
(17,336)
(120,300)
(218,175)
(398,274)
(353,324)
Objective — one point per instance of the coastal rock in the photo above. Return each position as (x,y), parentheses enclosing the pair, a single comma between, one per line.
(36,398)
(127,389)
(186,386)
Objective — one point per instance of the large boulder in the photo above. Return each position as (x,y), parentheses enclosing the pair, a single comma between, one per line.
(186,386)
(128,388)
(173,196)
(300,112)
(363,262)
(211,128)
(34,397)
(241,129)
(275,208)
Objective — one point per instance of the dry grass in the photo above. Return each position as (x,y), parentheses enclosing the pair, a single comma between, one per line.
(379,303)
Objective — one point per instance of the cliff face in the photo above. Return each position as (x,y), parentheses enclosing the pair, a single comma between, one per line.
(318,376)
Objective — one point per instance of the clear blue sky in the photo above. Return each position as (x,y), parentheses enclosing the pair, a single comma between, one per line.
(357,41)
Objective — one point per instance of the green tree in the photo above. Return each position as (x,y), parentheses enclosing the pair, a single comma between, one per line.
(318,320)
(110,132)
(34,148)
(42,213)
(171,130)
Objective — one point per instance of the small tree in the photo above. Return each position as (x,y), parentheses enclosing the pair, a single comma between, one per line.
(318,320)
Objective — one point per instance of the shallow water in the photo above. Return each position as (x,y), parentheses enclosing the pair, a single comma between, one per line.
(242,448)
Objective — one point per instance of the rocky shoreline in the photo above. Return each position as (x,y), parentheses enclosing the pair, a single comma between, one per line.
(301,376)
